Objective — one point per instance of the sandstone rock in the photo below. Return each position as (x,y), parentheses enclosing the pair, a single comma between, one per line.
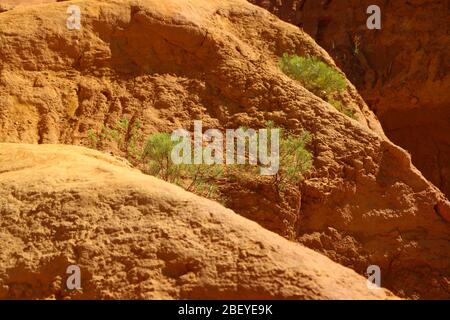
(402,70)
(167,63)
(135,237)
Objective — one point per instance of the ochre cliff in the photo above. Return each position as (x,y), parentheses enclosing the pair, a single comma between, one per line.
(137,237)
(402,70)
(166,63)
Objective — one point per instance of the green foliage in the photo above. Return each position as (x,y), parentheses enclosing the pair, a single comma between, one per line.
(156,152)
(93,139)
(134,138)
(202,178)
(154,156)
(270,124)
(198,178)
(295,159)
(315,75)
(123,134)
(341,108)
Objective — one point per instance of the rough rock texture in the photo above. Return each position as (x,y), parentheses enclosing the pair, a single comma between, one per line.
(135,236)
(6,5)
(402,70)
(167,63)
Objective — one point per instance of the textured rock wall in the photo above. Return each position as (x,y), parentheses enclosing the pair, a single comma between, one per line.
(402,70)
(137,237)
(166,63)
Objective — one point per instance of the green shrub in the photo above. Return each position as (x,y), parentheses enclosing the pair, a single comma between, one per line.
(315,75)
(295,159)
(202,178)
(198,178)
(156,152)
(341,108)
(125,135)
(93,138)
(155,158)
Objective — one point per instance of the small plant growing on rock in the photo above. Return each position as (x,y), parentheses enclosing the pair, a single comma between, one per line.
(156,152)
(295,158)
(155,158)
(197,178)
(93,138)
(125,135)
(317,77)
(341,108)
(202,178)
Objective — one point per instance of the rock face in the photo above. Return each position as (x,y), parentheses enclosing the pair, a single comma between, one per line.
(135,236)
(166,63)
(402,70)
(11,4)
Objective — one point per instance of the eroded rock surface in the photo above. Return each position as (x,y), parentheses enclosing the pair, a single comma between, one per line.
(166,63)
(135,237)
(402,70)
